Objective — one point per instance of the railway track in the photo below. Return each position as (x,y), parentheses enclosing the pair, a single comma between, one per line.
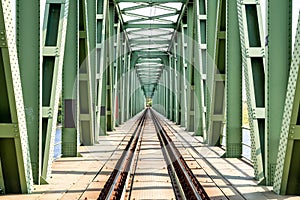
(183,182)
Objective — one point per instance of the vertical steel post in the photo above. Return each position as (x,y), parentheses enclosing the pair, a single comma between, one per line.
(14,147)
(212,7)
(170,87)
(200,52)
(233,83)
(253,57)
(182,55)
(70,85)
(101,64)
(217,85)
(91,7)
(176,85)
(287,169)
(117,83)
(28,34)
(128,88)
(86,116)
(54,39)
(189,58)
(278,66)
(109,70)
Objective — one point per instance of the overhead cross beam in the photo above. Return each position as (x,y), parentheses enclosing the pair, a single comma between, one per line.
(150,26)
(154,1)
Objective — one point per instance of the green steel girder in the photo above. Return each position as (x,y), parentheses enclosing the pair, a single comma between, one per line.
(86,116)
(153,1)
(177,49)
(132,93)
(91,12)
(152,48)
(157,36)
(190,76)
(173,82)
(150,26)
(183,68)
(123,88)
(279,31)
(117,68)
(287,169)
(28,23)
(128,81)
(14,148)
(150,41)
(143,17)
(200,66)
(110,123)
(170,87)
(217,77)
(141,5)
(166,91)
(253,60)
(233,83)
(176,85)
(212,7)
(70,91)
(54,39)
(101,63)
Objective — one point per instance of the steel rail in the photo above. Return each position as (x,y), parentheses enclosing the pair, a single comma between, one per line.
(189,183)
(115,185)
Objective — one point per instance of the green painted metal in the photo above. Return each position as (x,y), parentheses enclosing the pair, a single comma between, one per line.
(70,93)
(86,119)
(233,83)
(183,75)
(117,68)
(146,42)
(28,34)
(154,1)
(109,70)
(179,73)
(217,87)
(54,38)
(123,92)
(287,169)
(142,18)
(91,12)
(14,147)
(166,92)
(149,26)
(176,85)
(212,7)
(170,87)
(278,65)
(200,67)
(190,93)
(128,79)
(253,59)
(101,63)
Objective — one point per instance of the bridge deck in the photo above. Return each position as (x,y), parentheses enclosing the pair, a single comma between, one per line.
(83,177)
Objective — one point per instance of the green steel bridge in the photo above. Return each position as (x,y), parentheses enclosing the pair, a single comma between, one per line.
(94,64)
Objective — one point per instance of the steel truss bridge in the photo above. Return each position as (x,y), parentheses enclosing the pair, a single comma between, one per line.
(95,63)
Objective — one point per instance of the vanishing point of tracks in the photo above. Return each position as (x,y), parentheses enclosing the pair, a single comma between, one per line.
(120,183)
